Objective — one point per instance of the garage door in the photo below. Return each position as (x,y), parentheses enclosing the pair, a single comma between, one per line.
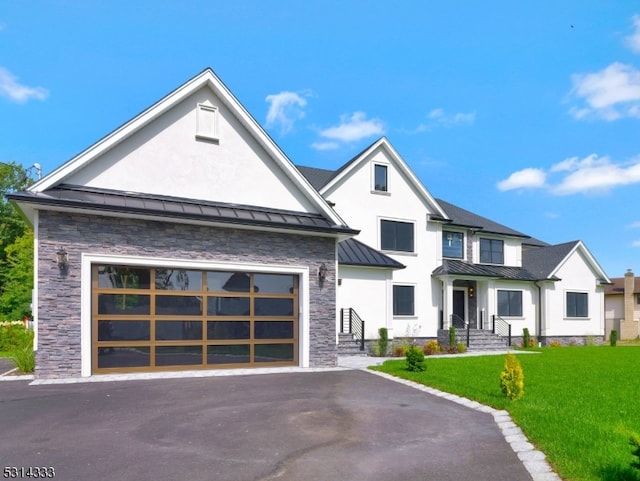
(147,319)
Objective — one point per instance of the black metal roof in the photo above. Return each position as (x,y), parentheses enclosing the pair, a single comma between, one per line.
(176,207)
(462,268)
(355,253)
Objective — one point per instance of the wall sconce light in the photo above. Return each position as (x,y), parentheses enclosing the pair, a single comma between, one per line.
(322,272)
(472,292)
(62,259)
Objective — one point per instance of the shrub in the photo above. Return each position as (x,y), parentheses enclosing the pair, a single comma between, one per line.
(431,347)
(613,339)
(452,336)
(12,335)
(634,441)
(512,378)
(461,347)
(555,344)
(452,349)
(23,355)
(383,341)
(526,337)
(399,350)
(415,359)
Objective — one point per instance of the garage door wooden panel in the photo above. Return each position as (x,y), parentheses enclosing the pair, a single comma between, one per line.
(146,319)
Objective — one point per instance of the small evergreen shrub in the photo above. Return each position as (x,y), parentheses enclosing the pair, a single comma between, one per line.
(415,359)
(613,339)
(383,341)
(634,441)
(461,347)
(431,347)
(526,337)
(452,336)
(23,355)
(12,335)
(512,378)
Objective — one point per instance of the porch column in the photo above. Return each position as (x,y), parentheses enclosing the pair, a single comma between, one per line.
(447,301)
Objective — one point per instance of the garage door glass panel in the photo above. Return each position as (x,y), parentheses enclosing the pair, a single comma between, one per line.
(228,306)
(130,304)
(178,355)
(123,330)
(182,305)
(114,277)
(273,330)
(109,357)
(178,330)
(273,352)
(273,283)
(178,280)
(228,281)
(219,330)
(232,354)
(273,307)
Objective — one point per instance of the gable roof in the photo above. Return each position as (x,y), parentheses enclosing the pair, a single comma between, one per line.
(316,177)
(352,252)
(206,78)
(545,262)
(327,182)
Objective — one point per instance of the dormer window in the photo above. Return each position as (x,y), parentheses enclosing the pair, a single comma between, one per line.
(380,178)
(452,244)
(491,251)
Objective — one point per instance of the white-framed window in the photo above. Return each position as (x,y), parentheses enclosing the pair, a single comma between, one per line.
(207,122)
(403,300)
(453,244)
(509,303)
(577,304)
(380,178)
(397,235)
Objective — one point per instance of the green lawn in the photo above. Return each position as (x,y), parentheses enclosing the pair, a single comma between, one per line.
(579,406)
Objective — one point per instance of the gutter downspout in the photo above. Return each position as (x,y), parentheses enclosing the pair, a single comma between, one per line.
(539,316)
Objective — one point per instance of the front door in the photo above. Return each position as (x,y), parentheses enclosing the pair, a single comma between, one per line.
(458,318)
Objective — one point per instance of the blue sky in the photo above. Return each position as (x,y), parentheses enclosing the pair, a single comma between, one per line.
(525,112)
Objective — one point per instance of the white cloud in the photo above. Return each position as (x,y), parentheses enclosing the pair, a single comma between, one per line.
(609,94)
(523,179)
(285,108)
(589,175)
(635,243)
(9,87)
(439,118)
(325,145)
(633,40)
(353,128)
(634,225)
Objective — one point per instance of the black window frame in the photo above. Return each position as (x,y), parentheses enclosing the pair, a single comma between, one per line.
(444,240)
(577,304)
(380,187)
(390,236)
(401,306)
(495,256)
(514,303)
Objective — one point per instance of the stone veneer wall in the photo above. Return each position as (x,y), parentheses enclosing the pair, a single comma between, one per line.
(59,297)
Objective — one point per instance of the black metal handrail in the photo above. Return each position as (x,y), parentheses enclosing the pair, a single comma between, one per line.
(502,328)
(459,323)
(351,323)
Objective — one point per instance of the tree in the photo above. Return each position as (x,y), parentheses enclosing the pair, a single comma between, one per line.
(16,246)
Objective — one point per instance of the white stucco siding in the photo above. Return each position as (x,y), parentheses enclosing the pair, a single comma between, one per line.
(367,290)
(576,276)
(362,208)
(512,249)
(529,301)
(165,157)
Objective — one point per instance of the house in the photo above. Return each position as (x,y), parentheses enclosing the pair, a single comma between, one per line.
(622,306)
(454,267)
(185,239)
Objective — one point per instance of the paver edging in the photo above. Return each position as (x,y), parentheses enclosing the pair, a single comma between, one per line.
(534,461)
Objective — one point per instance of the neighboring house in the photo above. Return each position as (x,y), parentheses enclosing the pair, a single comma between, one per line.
(460,268)
(184,239)
(622,306)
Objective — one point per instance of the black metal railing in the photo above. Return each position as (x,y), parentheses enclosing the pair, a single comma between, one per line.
(459,323)
(502,328)
(351,323)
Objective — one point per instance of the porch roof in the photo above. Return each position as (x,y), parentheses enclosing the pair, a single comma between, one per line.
(462,268)
(352,252)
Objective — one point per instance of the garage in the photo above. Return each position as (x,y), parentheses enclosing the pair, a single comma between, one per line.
(160,318)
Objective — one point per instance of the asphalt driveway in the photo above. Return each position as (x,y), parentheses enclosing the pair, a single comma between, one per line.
(329,426)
